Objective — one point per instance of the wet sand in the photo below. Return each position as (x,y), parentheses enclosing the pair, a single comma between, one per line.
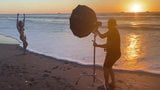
(38,72)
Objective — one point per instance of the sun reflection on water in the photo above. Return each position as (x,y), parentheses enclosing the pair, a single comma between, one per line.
(133,53)
(133,48)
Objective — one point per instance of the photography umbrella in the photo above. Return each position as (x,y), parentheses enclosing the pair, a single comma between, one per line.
(82,21)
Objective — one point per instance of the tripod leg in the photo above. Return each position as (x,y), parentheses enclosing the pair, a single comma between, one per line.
(78,81)
(101,81)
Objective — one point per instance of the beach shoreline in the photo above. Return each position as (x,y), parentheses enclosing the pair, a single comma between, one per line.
(68,60)
(90,65)
(38,72)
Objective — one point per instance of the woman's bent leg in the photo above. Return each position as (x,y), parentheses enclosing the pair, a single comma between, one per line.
(25,44)
(112,77)
(106,76)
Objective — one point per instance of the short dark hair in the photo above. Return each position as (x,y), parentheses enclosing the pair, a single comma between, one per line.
(112,22)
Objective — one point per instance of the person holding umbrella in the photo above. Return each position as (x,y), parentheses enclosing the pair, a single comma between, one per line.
(113,51)
(20,28)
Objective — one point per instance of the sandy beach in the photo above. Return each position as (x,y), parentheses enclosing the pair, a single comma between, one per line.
(38,72)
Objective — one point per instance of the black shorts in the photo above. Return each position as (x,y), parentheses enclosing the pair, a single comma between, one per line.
(110,59)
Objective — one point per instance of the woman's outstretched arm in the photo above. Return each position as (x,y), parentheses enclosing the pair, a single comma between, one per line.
(97,32)
(101,35)
(24,19)
(17,21)
(101,46)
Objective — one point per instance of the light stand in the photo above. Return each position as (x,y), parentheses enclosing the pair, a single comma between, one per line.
(94,67)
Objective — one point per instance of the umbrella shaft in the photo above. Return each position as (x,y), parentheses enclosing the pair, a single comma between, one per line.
(94,59)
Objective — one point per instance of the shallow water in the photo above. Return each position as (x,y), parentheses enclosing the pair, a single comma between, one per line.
(8,40)
(50,35)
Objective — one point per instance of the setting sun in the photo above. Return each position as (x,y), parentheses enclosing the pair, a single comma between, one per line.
(136,7)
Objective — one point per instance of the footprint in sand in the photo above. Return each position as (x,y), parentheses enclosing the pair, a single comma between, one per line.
(65,68)
(45,75)
(47,71)
(69,68)
(55,67)
(57,78)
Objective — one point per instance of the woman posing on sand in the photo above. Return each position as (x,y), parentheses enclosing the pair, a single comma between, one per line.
(113,50)
(20,28)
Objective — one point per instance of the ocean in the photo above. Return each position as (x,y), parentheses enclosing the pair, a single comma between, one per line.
(49,34)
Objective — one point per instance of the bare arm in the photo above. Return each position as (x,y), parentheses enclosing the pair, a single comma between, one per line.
(101,35)
(23,19)
(17,21)
(101,46)
(97,32)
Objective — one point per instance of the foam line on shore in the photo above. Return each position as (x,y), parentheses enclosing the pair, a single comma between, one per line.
(90,65)
(66,60)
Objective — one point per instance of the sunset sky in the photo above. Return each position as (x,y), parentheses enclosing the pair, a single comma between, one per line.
(66,6)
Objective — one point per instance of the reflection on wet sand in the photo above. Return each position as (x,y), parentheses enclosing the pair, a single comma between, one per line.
(7,40)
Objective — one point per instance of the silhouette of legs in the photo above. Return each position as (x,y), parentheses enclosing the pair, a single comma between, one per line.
(25,44)
(109,72)
(112,84)
(106,76)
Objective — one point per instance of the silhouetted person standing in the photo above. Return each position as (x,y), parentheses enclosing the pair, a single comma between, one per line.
(20,28)
(113,51)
